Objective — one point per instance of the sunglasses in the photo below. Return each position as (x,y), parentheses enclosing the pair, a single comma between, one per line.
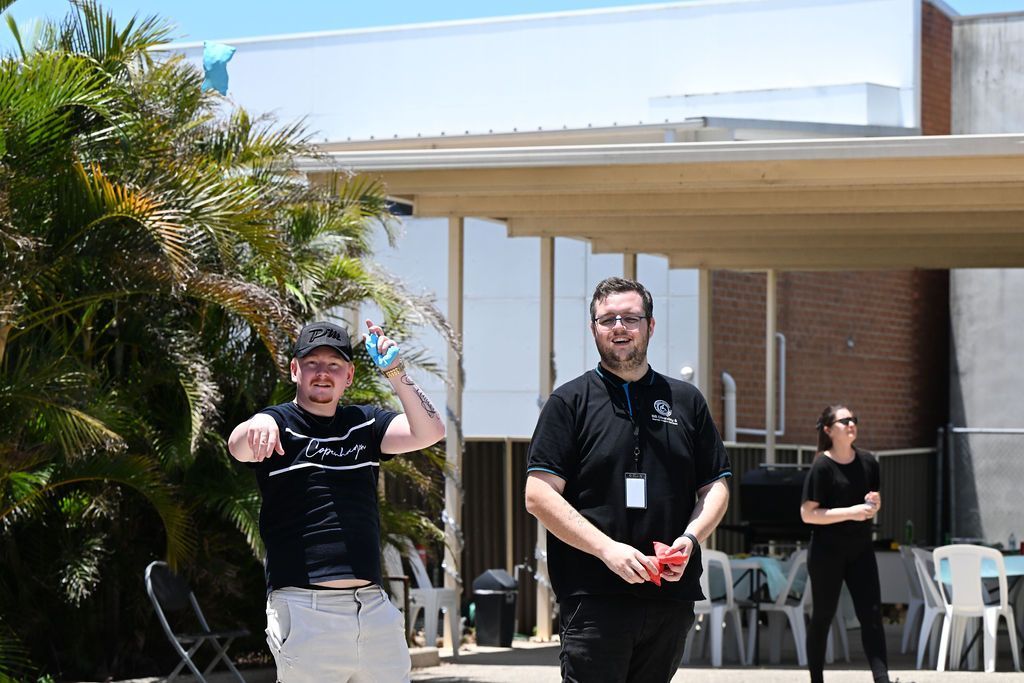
(846,421)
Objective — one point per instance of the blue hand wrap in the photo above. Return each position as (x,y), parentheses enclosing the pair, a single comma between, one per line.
(379,360)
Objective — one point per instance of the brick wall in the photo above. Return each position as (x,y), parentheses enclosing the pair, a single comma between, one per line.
(894,375)
(936,71)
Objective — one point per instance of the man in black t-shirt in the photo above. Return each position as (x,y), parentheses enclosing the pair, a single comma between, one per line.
(623,457)
(317,465)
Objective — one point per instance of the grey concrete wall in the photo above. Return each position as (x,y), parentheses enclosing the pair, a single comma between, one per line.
(988,75)
(987,306)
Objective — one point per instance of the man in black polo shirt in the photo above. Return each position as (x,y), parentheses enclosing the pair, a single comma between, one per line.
(623,457)
(317,463)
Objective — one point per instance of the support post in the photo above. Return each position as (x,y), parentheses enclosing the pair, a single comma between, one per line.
(546,384)
(454,438)
(629,266)
(509,495)
(704,333)
(769,367)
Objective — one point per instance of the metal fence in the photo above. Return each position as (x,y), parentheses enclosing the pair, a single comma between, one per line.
(983,479)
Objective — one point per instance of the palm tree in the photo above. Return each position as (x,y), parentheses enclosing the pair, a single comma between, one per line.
(157,259)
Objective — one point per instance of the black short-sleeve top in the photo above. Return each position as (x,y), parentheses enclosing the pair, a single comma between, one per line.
(585,435)
(319,518)
(834,485)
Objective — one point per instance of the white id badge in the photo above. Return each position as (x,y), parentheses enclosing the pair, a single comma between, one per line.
(636,490)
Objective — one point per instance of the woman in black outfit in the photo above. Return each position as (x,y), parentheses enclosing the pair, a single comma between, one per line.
(840,499)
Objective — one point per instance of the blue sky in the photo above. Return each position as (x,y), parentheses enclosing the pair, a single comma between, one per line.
(212,19)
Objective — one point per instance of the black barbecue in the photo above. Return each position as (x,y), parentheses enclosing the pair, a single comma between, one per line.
(770,497)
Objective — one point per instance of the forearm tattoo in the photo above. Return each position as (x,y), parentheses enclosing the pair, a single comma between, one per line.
(424,401)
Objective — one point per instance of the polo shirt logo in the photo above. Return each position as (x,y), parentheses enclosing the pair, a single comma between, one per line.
(663,413)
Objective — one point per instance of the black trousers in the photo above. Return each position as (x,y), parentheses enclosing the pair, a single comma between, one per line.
(613,639)
(831,560)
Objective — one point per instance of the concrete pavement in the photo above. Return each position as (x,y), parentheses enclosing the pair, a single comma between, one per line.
(530,662)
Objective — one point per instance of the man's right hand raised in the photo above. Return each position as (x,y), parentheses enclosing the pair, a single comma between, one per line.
(631,565)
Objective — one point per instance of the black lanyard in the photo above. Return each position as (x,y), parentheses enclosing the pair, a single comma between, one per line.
(636,431)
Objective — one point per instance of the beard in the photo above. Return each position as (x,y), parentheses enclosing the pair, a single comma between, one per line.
(617,363)
(318,395)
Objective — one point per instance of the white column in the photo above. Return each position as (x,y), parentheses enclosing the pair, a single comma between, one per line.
(546,384)
(769,367)
(454,439)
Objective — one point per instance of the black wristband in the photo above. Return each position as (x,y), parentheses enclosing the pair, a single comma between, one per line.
(693,538)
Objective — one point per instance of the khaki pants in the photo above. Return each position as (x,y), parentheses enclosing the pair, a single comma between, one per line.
(343,636)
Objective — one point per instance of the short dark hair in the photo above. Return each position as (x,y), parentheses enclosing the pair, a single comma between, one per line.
(620,285)
(827,419)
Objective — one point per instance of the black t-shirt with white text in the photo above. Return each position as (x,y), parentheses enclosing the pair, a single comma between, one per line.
(585,435)
(319,518)
(834,485)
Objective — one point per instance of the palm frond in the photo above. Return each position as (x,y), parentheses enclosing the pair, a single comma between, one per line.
(108,202)
(42,100)
(46,314)
(12,25)
(135,472)
(363,199)
(264,311)
(353,280)
(244,141)
(80,567)
(14,661)
(200,387)
(94,32)
(60,403)
(233,494)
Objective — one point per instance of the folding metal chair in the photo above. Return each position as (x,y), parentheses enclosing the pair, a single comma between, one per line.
(170,593)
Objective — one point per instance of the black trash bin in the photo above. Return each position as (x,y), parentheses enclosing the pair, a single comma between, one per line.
(494,592)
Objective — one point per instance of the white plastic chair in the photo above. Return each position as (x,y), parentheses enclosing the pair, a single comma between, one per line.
(933,608)
(968,603)
(788,609)
(713,613)
(424,596)
(797,611)
(916,604)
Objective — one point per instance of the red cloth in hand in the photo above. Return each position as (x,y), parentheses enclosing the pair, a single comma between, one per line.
(664,555)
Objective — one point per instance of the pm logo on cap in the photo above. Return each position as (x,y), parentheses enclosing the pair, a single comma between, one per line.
(323,334)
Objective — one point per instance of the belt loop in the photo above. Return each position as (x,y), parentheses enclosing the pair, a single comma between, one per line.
(314,598)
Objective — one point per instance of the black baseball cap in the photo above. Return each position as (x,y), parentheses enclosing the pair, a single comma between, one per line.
(323,334)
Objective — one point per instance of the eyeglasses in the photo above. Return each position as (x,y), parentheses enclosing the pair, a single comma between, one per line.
(630,322)
(846,421)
